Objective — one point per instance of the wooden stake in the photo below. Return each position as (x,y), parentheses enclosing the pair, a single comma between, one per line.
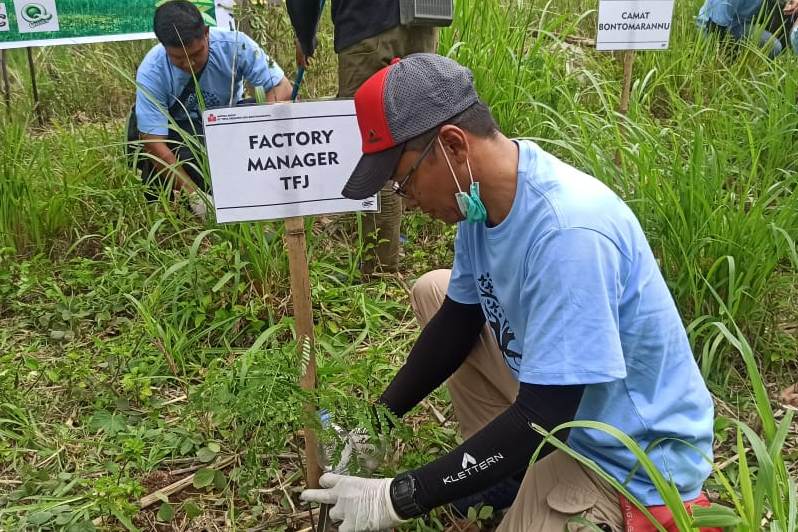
(6,84)
(34,88)
(628,63)
(623,108)
(296,246)
(243,23)
(303,318)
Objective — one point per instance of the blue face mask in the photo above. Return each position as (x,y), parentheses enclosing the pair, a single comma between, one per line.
(470,205)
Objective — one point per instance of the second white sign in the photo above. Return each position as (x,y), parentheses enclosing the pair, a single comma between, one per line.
(634,24)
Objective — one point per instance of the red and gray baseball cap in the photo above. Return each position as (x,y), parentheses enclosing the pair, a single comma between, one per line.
(403,100)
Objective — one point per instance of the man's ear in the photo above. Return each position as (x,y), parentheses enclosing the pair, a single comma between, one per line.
(207,32)
(455,142)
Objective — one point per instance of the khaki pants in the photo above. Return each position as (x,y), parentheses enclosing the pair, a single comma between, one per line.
(356,64)
(556,488)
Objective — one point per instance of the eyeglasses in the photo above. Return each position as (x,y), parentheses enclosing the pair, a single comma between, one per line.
(399,186)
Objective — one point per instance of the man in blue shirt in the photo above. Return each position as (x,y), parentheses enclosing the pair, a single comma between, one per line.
(167,94)
(739,19)
(555,310)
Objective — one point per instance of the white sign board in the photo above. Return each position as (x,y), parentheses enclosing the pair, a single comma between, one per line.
(288,159)
(634,24)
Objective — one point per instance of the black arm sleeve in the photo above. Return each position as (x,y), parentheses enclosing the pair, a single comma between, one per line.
(499,450)
(304,15)
(441,348)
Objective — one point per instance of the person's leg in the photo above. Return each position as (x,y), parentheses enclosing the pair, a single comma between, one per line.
(416,39)
(554,491)
(182,148)
(483,387)
(762,37)
(154,182)
(359,62)
(777,23)
(356,64)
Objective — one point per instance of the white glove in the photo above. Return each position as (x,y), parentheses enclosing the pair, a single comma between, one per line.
(199,202)
(361,503)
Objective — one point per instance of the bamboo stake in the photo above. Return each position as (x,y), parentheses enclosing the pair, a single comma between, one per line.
(6,84)
(628,63)
(623,108)
(303,317)
(34,88)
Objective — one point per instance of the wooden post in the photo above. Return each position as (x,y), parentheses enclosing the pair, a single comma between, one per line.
(303,319)
(628,63)
(623,107)
(243,24)
(6,84)
(34,88)
(296,246)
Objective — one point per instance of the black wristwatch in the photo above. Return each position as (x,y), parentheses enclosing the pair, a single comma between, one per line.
(403,497)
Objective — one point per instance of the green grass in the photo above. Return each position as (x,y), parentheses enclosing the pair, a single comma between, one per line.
(136,343)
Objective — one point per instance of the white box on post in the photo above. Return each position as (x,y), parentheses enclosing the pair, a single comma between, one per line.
(634,24)
(283,160)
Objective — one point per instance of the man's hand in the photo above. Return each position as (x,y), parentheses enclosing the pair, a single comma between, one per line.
(280,92)
(301,59)
(361,503)
(164,159)
(791,8)
(199,202)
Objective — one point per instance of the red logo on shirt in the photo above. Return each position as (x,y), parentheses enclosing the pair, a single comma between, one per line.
(212,118)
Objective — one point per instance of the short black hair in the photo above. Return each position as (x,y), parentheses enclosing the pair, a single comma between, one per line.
(476,119)
(178,23)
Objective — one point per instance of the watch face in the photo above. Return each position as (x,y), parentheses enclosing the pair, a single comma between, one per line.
(403,491)
(403,486)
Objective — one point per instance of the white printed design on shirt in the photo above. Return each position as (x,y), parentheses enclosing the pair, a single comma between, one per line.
(494,313)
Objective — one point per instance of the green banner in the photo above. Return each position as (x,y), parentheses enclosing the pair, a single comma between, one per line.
(49,22)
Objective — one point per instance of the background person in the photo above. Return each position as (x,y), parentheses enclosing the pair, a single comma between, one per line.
(189,50)
(368,35)
(767,22)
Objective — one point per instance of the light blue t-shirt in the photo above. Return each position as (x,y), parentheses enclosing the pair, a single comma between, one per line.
(730,14)
(229,52)
(573,293)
